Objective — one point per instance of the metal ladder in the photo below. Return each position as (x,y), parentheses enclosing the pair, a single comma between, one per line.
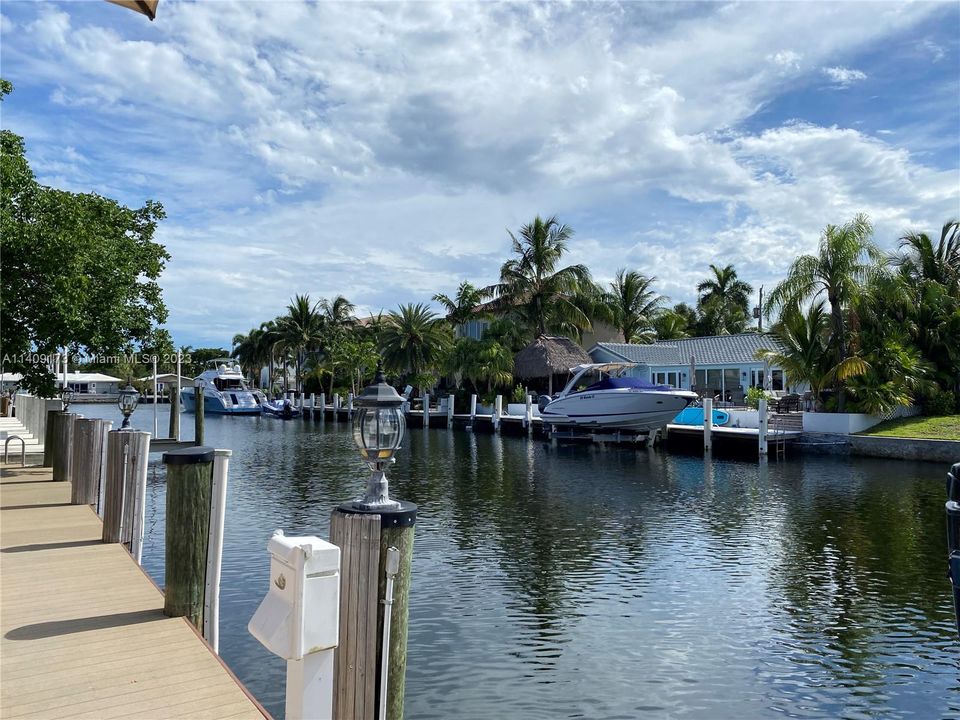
(779,439)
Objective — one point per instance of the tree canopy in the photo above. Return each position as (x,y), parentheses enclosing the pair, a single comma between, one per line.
(79,270)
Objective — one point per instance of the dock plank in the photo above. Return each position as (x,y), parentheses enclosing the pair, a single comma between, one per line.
(82,630)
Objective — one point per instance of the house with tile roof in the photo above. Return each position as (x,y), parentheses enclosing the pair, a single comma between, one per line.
(721,362)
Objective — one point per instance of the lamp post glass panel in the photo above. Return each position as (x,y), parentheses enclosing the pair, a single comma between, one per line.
(67,397)
(127,402)
(378,428)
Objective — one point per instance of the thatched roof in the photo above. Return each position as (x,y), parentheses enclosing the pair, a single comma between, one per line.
(547,356)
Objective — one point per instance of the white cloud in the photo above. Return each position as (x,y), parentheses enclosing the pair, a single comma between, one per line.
(380,150)
(844,77)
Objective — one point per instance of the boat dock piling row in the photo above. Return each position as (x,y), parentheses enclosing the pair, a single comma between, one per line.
(528,423)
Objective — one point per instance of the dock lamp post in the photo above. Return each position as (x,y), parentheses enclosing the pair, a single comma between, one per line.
(375,535)
(67,396)
(378,430)
(127,402)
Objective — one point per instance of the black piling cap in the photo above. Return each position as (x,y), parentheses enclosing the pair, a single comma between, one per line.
(189,456)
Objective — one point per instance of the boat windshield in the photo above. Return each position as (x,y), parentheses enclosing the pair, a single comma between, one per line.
(228,384)
(618,383)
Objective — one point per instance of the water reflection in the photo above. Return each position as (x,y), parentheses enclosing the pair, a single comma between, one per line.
(575,583)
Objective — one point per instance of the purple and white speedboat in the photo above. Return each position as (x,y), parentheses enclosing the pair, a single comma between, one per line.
(614,401)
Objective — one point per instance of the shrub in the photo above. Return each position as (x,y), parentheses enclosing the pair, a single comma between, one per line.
(519,394)
(754,395)
(942,402)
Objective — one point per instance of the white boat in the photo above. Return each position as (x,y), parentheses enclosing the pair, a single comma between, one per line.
(614,402)
(224,390)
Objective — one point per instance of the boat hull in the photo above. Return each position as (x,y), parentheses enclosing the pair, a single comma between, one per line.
(626,409)
(241,402)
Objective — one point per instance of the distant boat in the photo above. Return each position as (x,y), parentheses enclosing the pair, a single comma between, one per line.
(224,391)
(694,416)
(282,409)
(614,402)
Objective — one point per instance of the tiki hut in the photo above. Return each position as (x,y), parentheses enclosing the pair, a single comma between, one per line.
(548,356)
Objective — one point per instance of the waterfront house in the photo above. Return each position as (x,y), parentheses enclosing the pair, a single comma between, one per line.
(725,363)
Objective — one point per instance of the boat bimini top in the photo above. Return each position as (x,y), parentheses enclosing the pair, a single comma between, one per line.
(614,379)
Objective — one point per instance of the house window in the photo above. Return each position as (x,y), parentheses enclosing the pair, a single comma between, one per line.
(731,379)
(665,378)
(715,379)
(701,378)
(777,381)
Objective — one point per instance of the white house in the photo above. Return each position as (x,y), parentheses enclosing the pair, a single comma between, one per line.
(92,383)
(722,362)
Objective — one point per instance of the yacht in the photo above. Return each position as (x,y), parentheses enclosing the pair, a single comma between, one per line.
(614,402)
(224,390)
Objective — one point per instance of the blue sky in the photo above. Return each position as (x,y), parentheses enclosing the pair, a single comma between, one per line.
(381,151)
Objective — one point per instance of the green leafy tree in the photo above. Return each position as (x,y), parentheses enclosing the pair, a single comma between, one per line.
(805,354)
(415,341)
(846,259)
(79,270)
(634,305)
(301,331)
(337,325)
(723,302)
(670,325)
(462,307)
(533,290)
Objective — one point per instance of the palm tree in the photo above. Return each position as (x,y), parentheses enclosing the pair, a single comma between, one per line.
(301,330)
(843,265)
(724,301)
(805,353)
(337,320)
(920,260)
(249,351)
(462,307)
(634,305)
(414,340)
(669,325)
(533,289)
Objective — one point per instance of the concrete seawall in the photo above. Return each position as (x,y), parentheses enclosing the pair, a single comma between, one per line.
(946,451)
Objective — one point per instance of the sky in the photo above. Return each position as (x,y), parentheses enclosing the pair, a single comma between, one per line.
(383,150)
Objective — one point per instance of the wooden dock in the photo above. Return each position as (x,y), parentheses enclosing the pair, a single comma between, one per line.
(83,632)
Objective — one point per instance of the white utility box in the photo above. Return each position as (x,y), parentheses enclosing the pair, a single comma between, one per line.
(301,613)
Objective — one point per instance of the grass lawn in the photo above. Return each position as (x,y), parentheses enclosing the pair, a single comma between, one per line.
(946,427)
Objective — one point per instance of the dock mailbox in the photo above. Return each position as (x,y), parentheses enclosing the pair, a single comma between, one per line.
(300,614)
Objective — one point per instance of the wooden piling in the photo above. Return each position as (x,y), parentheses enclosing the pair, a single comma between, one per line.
(497,413)
(174,413)
(86,461)
(189,488)
(426,411)
(127,454)
(364,539)
(707,423)
(49,441)
(763,425)
(449,412)
(473,410)
(198,417)
(355,659)
(62,446)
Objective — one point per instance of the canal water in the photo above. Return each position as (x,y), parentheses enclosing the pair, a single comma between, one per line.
(574,583)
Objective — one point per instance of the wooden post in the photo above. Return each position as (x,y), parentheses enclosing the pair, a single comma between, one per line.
(49,438)
(426,411)
(174,413)
(707,423)
(189,489)
(336,406)
(762,435)
(497,412)
(449,411)
(364,538)
(87,457)
(105,429)
(528,414)
(473,410)
(349,405)
(62,445)
(127,454)
(198,417)
(323,405)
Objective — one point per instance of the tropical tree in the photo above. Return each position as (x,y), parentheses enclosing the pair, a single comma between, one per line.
(846,259)
(669,325)
(249,351)
(533,289)
(804,351)
(723,301)
(921,260)
(337,322)
(301,331)
(461,308)
(415,341)
(634,305)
